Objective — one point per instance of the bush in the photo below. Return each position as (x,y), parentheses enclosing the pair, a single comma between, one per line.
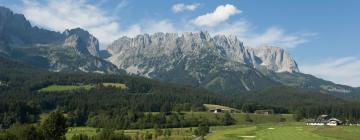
(248,119)
(228,120)
(108,134)
(282,119)
(202,130)
(80,137)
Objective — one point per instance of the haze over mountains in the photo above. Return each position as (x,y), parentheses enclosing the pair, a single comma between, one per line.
(220,63)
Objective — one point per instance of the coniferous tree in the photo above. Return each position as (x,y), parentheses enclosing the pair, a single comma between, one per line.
(54,127)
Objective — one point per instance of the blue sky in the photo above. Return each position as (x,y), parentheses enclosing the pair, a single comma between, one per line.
(322,35)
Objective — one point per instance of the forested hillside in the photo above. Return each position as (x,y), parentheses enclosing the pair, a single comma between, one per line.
(109,106)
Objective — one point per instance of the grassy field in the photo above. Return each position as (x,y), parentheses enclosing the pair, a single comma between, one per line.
(117,85)
(272,131)
(186,133)
(65,87)
(53,88)
(285,131)
(176,133)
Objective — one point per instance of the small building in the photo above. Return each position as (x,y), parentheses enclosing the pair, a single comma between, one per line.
(216,110)
(324,120)
(222,110)
(334,122)
(264,112)
(219,108)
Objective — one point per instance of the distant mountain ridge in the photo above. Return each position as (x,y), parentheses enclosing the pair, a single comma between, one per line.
(72,50)
(220,63)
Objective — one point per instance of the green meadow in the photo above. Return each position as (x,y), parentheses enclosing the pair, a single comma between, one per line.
(270,131)
(187,133)
(52,88)
(117,85)
(284,131)
(263,127)
(176,133)
(59,88)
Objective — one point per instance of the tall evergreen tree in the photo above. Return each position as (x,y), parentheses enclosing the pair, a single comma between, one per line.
(54,127)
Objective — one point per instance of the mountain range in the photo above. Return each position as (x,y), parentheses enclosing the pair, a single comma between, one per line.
(218,63)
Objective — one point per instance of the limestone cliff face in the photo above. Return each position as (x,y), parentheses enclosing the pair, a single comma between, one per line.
(274,58)
(82,41)
(164,48)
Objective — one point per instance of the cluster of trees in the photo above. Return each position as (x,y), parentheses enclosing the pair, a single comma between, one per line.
(129,119)
(53,128)
(103,108)
(252,107)
(348,112)
(304,104)
(18,111)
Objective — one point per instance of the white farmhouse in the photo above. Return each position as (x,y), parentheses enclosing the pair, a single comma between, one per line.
(324,120)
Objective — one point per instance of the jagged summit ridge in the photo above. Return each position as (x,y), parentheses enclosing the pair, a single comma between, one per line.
(128,52)
(220,63)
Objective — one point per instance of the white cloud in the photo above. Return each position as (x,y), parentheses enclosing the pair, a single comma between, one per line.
(59,15)
(159,26)
(273,36)
(344,70)
(221,14)
(238,28)
(180,7)
(277,37)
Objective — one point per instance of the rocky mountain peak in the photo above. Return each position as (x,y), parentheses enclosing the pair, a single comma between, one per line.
(17,31)
(5,13)
(11,27)
(205,35)
(82,41)
(72,50)
(274,58)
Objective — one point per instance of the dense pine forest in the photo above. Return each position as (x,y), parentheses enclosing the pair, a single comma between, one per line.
(144,103)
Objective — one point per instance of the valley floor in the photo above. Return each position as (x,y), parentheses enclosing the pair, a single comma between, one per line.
(270,131)
(285,131)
